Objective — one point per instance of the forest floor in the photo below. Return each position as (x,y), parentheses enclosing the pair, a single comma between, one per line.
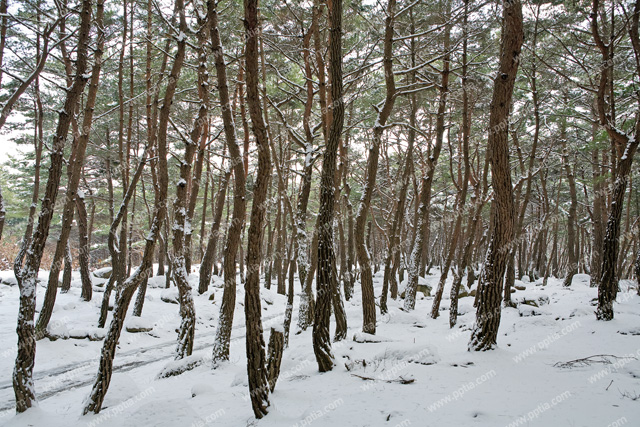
(414,372)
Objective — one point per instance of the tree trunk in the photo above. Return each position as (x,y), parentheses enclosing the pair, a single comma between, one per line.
(125,291)
(83,251)
(225,323)
(23,370)
(75,167)
(209,257)
(259,385)
(66,276)
(485,331)
(422,227)
(624,147)
(364,259)
(326,256)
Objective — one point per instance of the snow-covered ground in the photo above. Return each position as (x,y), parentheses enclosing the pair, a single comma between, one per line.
(419,371)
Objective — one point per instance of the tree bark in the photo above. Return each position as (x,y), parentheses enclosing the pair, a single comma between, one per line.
(225,322)
(259,385)
(485,331)
(23,370)
(83,251)
(326,256)
(364,259)
(623,149)
(125,291)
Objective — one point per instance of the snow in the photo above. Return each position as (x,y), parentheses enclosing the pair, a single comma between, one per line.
(515,385)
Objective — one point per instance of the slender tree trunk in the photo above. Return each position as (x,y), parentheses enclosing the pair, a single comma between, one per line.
(83,251)
(209,257)
(66,276)
(125,292)
(75,167)
(572,267)
(38,143)
(427,182)
(364,259)
(225,323)
(182,208)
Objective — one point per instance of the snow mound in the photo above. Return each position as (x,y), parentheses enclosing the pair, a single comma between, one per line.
(92,334)
(362,337)
(103,273)
(157,282)
(138,324)
(177,367)
(581,280)
(422,354)
(170,296)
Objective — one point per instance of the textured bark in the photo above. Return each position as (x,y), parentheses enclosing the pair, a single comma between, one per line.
(259,385)
(205,206)
(199,136)
(275,351)
(23,370)
(288,314)
(225,323)
(458,208)
(83,251)
(364,259)
(209,257)
(395,246)
(140,296)
(522,208)
(182,209)
(326,256)
(478,200)
(66,277)
(485,331)
(598,217)
(302,239)
(117,261)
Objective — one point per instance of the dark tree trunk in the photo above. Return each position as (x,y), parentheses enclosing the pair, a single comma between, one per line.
(225,323)
(209,257)
(326,256)
(485,331)
(83,251)
(74,168)
(364,259)
(623,150)
(66,274)
(125,291)
(259,385)
(22,374)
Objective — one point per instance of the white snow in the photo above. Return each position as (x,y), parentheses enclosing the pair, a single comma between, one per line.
(516,384)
